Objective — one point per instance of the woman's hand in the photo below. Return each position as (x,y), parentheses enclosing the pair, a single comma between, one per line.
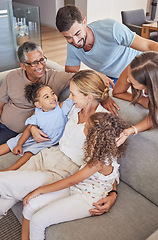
(17,150)
(124,135)
(103,205)
(38,135)
(121,139)
(31,195)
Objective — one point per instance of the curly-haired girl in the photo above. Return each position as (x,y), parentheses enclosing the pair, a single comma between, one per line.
(77,193)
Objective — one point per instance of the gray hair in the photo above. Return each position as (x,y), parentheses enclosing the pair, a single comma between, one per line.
(25,48)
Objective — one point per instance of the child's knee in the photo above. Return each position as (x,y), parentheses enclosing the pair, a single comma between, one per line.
(28,211)
(6,204)
(37,227)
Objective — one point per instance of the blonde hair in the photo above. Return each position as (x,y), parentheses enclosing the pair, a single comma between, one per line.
(89,82)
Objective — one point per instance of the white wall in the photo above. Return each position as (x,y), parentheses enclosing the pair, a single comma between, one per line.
(156,16)
(92,9)
(101,9)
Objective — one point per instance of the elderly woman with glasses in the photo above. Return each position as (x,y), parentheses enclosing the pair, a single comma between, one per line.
(14,108)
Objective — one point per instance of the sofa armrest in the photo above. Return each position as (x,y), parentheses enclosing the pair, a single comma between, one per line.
(3,75)
(53,65)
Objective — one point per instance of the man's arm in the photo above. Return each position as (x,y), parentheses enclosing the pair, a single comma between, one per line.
(144,45)
(38,135)
(73,69)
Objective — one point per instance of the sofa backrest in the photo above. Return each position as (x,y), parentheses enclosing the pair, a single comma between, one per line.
(49,64)
(139,166)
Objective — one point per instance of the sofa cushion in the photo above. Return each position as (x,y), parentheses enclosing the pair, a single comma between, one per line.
(139,167)
(132,217)
(130,113)
(154,236)
(3,75)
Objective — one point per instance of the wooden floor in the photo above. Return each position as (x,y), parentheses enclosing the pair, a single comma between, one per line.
(54,45)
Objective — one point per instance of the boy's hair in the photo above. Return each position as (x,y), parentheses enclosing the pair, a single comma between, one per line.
(89,82)
(66,16)
(25,48)
(32,90)
(144,69)
(100,144)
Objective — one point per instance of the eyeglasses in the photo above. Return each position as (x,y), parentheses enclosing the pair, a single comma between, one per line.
(35,63)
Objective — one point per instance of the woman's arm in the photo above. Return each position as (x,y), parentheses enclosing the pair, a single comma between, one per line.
(121,87)
(81,175)
(26,134)
(145,124)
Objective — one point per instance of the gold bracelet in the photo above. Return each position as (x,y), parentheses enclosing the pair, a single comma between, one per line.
(135,130)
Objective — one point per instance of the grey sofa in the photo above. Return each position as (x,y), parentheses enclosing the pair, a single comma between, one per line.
(134,216)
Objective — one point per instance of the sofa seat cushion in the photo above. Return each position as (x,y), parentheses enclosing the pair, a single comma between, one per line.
(154,236)
(132,217)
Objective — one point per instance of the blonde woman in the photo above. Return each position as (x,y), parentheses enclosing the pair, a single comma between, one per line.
(87,90)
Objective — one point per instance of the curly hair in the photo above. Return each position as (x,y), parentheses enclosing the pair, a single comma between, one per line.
(100,143)
(32,91)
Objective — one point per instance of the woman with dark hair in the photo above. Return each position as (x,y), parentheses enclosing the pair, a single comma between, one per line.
(142,76)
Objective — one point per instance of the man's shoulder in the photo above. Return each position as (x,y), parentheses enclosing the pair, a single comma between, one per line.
(15,72)
(51,74)
(108,22)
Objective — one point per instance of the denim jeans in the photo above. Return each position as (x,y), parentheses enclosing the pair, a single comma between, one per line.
(5,134)
(114,79)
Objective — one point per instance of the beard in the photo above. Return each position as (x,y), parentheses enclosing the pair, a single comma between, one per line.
(84,39)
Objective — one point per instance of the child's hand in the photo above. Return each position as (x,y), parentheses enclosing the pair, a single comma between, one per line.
(29,196)
(17,150)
